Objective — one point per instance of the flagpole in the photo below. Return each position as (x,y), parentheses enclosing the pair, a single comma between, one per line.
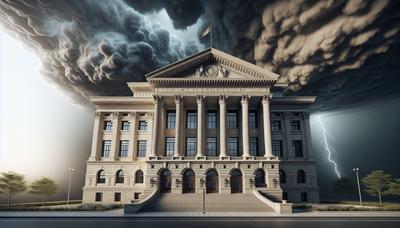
(211,35)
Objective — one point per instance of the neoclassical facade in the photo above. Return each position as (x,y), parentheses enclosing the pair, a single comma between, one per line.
(210,121)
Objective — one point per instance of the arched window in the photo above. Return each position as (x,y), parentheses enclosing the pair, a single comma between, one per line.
(101,177)
(139,177)
(119,177)
(259,178)
(282,176)
(301,177)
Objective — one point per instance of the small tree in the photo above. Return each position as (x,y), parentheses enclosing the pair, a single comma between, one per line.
(344,185)
(377,183)
(44,187)
(12,183)
(394,187)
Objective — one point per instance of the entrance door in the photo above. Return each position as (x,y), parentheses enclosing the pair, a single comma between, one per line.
(259,178)
(188,181)
(212,182)
(236,181)
(165,181)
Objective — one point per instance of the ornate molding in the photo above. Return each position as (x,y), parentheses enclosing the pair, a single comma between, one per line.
(221,99)
(178,99)
(212,71)
(245,99)
(266,99)
(200,99)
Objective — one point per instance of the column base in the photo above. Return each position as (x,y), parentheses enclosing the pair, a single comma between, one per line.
(224,157)
(201,157)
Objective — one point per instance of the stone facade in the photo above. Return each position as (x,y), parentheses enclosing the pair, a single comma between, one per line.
(209,122)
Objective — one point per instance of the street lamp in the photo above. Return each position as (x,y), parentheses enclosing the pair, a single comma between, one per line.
(70,170)
(356,170)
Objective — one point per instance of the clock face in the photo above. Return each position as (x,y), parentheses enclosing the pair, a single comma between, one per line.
(211,71)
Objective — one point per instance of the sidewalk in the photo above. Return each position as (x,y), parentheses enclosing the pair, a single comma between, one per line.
(119,213)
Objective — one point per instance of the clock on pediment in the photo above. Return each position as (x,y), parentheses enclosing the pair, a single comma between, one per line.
(212,71)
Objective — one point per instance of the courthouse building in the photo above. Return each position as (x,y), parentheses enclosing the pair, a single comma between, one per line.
(209,122)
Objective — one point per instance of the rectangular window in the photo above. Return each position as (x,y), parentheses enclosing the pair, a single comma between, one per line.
(126,125)
(252,120)
(233,147)
(108,125)
(276,125)
(169,146)
(105,152)
(136,195)
(277,148)
(232,119)
(171,119)
(295,124)
(191,147)
(211,120)
(191,119)
(142,125)
(297,148)
(123,148)
(99,197)
(212,147)
(141,148)
(253,146)
(303,197)
(117,197)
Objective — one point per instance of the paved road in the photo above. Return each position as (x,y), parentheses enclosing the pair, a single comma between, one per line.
(119,222)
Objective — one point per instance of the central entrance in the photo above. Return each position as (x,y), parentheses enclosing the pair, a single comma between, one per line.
(165,181)
(236,181)
(212,181)
(188,181)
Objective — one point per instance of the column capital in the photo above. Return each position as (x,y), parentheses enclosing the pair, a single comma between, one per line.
(115,115)
(156,97)
(199,99)
(133,115)
(245,99)
(97,114)
(266,98)
(178,99)
(222,99)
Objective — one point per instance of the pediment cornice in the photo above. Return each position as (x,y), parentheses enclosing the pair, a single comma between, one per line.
(217,59)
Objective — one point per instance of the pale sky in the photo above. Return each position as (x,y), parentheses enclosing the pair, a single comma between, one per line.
(42,133)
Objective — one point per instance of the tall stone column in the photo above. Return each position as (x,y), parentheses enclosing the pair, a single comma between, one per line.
(245,126)
(222,125)
(132,139)
(200,127)
(115,135)
(267,126)
(154,137)
(178,112)
(97,135)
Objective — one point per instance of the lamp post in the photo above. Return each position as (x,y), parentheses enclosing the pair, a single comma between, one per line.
(356,170)
(70,170)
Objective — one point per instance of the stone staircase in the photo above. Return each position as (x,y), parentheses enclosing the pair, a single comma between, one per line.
(193,202)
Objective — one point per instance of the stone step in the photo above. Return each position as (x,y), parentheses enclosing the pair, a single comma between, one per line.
(214,202)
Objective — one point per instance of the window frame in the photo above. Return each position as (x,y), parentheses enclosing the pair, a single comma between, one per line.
(273,145)
(125,125)
(108,125)
(209,143)
(251,144)
(297,148)
(123,148)
(229,144)
(141,150)
(273,126)
(253,124)
(191,119)
(212,123)
(171,119)
(232,123)
(143,125)
(106,153)
(192,145)
(168,152)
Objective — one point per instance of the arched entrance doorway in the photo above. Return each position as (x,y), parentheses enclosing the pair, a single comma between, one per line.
(188,181)
(212,185)
(165,181)
(259,178)
(236,181)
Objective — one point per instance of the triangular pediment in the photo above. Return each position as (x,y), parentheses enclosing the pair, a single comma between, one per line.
(214,65)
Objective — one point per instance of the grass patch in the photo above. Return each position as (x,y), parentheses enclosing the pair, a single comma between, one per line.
(82,207)
(39,204)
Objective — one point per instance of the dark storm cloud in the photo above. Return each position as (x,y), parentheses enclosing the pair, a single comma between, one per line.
(345,52)
(92,47)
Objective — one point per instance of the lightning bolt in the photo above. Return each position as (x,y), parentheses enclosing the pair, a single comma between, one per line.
(327,147)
